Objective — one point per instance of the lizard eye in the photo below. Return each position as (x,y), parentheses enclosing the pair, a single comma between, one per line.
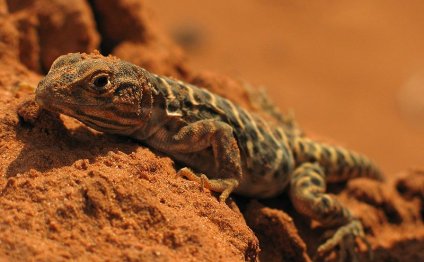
(101,81)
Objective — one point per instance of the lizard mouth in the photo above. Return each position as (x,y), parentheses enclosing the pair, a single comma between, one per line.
(43,102)
(63,107)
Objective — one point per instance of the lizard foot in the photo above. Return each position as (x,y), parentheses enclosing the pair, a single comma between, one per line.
(344,237)
(223,186)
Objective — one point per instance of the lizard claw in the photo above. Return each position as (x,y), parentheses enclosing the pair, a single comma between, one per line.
(223,186)
(344,238)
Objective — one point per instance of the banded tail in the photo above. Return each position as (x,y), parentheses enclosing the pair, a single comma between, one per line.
(339,164)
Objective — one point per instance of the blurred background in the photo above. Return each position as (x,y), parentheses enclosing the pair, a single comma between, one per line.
(352,71)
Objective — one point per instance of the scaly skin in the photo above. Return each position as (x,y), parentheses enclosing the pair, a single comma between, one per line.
(236,150)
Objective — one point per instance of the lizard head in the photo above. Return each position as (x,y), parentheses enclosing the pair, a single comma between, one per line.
(103,92)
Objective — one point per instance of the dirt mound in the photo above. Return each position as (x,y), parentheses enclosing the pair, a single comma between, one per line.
(68,192)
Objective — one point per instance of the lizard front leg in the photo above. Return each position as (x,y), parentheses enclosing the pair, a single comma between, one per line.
(307,193)
(219,136)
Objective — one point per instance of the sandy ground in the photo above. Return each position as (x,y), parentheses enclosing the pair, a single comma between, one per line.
(350,71)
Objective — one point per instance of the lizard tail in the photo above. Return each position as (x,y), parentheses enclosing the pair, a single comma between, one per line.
(339,164)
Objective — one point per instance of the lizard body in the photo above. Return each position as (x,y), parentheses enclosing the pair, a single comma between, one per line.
(237,150)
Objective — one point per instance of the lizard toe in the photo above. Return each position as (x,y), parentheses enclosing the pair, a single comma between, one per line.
(345,239)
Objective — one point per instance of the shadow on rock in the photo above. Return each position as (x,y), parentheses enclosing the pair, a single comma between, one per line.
(50,144)
(407,250)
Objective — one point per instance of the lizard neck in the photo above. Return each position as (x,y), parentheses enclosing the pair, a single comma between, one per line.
(155,117)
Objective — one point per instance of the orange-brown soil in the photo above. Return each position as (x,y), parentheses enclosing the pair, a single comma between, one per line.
(68,192)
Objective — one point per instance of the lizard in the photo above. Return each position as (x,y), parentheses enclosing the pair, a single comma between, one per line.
(231,149)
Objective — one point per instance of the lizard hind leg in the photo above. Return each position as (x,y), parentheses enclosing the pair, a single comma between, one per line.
(223,186)
(307,193)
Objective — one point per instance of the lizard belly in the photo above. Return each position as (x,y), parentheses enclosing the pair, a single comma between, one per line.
(260,187)
(267,173)
(251,184)
(267,159)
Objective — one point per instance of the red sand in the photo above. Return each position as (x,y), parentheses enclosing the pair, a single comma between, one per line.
(67,192)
